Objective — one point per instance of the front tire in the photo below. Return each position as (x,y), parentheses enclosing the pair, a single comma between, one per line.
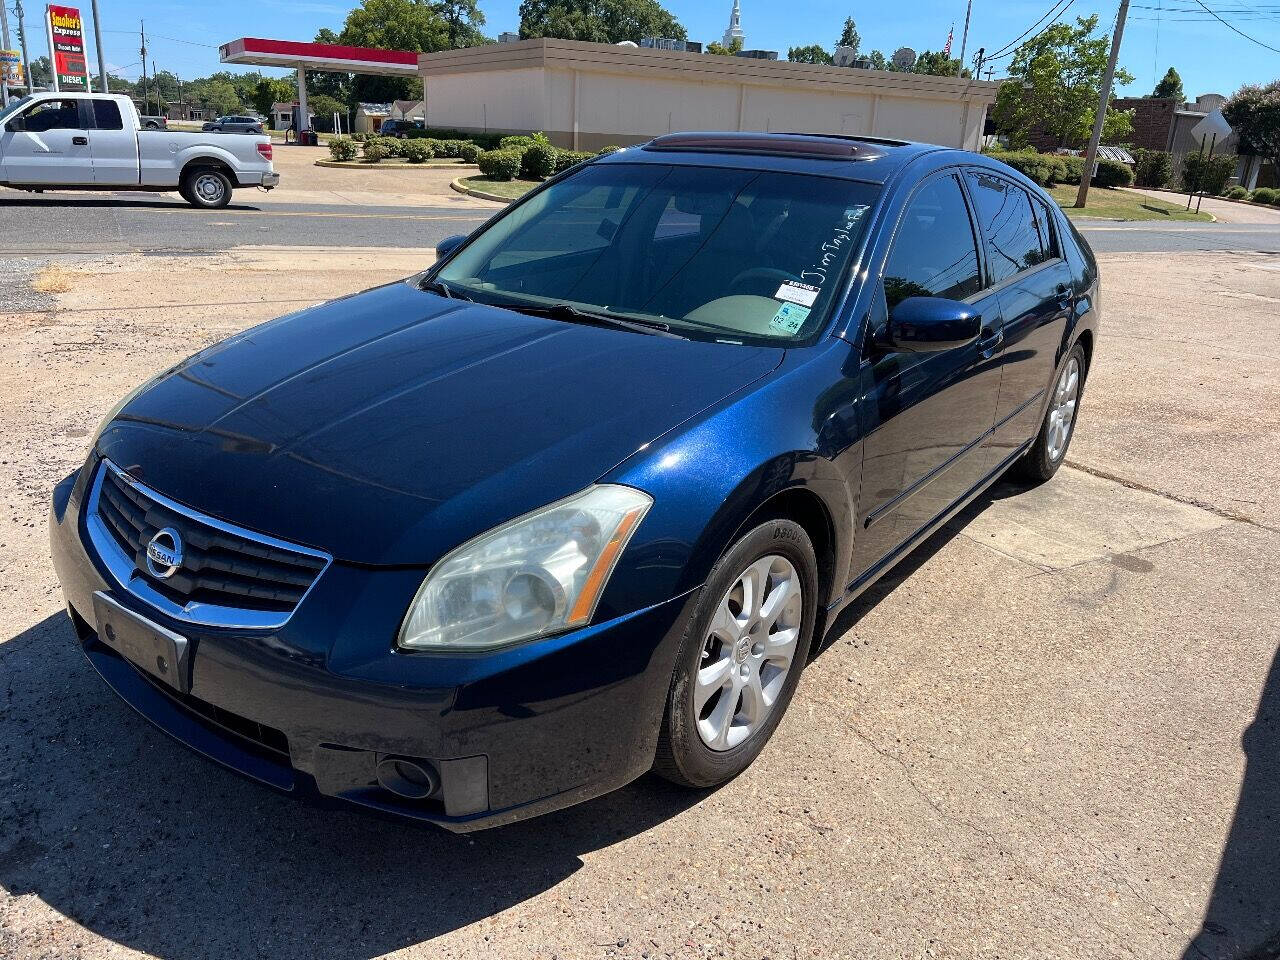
(741,658)
(1050,448)
(206,188)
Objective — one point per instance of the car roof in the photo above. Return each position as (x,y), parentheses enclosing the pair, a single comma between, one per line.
(867,159)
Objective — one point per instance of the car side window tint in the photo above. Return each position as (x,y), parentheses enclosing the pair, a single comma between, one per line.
(106,115)
(1048,235)
(1012,236)
(52,115)
(934,253)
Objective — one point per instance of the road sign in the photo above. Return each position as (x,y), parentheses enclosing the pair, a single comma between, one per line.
(1213,127)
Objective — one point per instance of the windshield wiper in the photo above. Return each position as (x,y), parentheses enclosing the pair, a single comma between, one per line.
(444,290)
(566,311)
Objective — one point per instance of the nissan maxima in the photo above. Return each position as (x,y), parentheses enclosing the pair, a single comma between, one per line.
(579,501)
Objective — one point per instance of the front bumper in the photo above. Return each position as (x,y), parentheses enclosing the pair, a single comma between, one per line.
(312,707)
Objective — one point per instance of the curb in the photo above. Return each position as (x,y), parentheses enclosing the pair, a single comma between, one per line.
(459,186)
(360,165)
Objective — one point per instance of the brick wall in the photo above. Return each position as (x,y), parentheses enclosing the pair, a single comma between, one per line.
(1152,120)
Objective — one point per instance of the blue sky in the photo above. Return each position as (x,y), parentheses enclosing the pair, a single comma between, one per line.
(183,35)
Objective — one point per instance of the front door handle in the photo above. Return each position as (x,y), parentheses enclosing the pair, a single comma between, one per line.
(80,141)
(989,341)
(1064,296)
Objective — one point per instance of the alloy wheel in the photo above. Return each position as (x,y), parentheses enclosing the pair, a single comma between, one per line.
(748,651)
(1062,411)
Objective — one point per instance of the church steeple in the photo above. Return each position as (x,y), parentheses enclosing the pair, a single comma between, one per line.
(735,25)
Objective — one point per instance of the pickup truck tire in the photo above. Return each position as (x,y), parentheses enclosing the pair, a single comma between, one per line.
(206,187)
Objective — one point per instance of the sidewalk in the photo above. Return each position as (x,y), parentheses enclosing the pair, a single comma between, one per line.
(1222,210)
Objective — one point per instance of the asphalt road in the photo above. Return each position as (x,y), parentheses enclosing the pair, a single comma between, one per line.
(66,223)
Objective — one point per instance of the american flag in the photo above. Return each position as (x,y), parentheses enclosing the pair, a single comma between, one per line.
(950,36)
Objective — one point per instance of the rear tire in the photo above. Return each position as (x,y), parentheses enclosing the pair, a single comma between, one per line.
(1050,448)
(206,187)
(741,657)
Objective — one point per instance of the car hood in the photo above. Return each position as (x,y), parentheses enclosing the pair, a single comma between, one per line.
(388,427)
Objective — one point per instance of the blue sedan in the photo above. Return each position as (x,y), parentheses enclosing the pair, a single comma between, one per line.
(579,501)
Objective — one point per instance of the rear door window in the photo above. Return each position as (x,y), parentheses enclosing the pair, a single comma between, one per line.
(934,253)
(1013,239)
(106,115)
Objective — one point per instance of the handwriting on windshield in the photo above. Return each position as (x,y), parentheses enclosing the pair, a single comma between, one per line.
(829,253)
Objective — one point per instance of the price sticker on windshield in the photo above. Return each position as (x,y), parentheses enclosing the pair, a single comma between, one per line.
(801,293)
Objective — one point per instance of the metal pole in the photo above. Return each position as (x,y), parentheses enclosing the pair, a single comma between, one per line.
(4,31)
(964,37)
(97,39)
(53,54)
(1104,99)
(1212,143)
(142,34)
(1190,186)
(22,40)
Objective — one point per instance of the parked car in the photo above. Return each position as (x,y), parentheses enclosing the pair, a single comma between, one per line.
(94,141)
(400,128)
(148,122)
(578,501)
(238,124)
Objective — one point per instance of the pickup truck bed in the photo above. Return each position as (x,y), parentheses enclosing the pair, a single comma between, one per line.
(86,141)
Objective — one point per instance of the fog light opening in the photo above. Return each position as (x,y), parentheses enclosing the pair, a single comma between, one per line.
(407,778)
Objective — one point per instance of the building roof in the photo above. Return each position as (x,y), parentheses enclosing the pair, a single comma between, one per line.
(407,106)
(319,56)
(373,109)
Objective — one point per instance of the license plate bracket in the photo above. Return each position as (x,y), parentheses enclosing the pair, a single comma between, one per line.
(148,646)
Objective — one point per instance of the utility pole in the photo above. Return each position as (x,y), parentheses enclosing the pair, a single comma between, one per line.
(155,79)
(964,37)
(4,30)
(97,39)
(142,32)
(1104,98)
(22,41)
(978,59)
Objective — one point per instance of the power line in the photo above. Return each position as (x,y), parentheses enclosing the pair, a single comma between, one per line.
(1033,39)
(1236,29)
(1026,31)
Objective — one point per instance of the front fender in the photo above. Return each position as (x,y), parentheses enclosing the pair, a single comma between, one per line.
(783,437)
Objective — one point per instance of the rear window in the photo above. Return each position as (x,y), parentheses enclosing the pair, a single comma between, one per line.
(106,115)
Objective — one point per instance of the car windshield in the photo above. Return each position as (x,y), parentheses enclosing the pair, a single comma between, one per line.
(711,252)
(13,107)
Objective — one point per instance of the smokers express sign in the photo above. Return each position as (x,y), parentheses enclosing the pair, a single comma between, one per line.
(66,40)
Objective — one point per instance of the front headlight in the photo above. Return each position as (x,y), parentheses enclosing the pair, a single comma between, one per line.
(539,574)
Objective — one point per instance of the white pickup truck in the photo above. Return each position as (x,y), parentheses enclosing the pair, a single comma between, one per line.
(94,141)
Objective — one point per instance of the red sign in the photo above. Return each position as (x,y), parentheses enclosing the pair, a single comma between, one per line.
(66,39)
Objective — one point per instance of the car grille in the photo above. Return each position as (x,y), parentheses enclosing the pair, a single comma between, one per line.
(228,576)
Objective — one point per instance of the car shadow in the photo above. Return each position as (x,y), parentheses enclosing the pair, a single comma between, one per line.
(9,199)
(1242,920)
(119,828)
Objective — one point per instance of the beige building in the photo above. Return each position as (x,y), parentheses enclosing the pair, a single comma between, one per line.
(588,95)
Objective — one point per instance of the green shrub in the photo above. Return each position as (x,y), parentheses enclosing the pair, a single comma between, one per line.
(538,162)
(571,158)
(515,143)
(1265,195)
(468,152)
(343,148)
(605,151)
(1113,173)
(375,151)
(1153,168)
(1033,166)
(1236,193)
(1068,168)
(417,151)
(500,164)
(450,148)
(359,137)
(1207,174)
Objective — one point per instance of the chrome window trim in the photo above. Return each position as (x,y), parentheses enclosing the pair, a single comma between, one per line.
(126,574)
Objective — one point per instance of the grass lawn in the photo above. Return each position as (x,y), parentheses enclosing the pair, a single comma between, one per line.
(511,189)
(1121,205)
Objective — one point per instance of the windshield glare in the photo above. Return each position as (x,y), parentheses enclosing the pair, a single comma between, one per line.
(715,253)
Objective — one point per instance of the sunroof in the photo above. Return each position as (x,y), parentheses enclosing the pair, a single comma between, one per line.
(777,144)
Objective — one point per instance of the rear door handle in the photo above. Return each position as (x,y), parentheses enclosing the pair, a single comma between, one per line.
(1064,296)
(80,141)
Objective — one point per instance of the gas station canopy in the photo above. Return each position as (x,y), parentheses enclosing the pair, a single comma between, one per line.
(328,57)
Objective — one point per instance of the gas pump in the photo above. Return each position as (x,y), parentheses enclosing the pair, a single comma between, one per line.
(303,135)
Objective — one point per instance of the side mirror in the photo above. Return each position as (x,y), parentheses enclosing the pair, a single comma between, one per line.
(930,324)
(449,244)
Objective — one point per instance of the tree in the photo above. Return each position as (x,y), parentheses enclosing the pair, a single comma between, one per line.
(601,21)
(878,60)
(272,90)
(323,83)
(720,50)
(938,64)
(414,25)
(849,35)
(1254,113)
(1054,83)
(1170,88)
(813,53)
(463,20)
(41,72)
(221,96)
